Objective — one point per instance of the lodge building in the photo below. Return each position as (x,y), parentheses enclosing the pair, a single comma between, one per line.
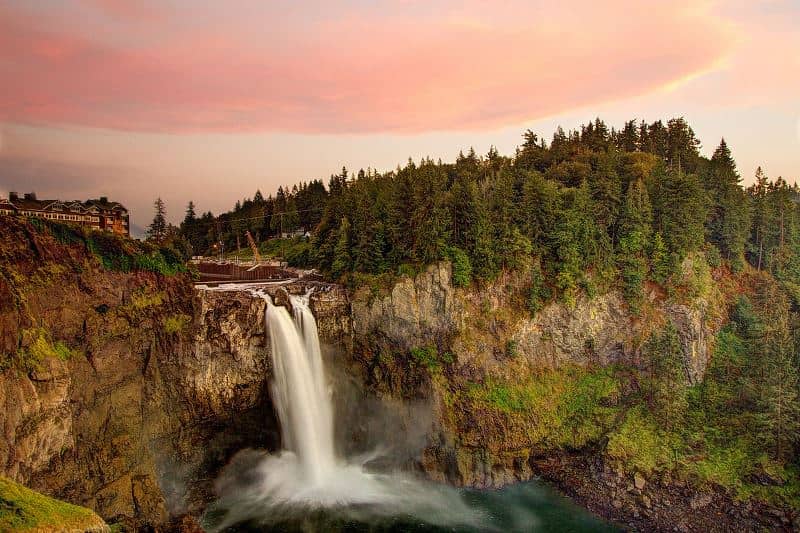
(98,214)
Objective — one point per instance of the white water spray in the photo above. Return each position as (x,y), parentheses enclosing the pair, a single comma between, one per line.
(307,474)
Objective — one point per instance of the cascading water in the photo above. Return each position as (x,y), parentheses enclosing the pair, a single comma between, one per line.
(306,480)
(299,390)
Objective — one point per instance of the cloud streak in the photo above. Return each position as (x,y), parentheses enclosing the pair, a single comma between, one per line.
(402,67)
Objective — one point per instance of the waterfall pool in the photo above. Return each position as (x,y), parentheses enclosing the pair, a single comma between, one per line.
(524,507)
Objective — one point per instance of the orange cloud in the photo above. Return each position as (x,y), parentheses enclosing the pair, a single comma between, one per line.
(406,67)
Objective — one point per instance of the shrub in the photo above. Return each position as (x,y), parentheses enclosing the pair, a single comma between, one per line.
(641,445)
(156,262)
(428,357)
(408,269)
(462,268)
(713,257)
(539,292)
(38,347)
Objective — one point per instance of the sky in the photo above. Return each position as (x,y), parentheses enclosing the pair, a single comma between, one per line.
(211,101)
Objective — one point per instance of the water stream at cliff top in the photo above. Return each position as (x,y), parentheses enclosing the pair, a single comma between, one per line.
(308,487)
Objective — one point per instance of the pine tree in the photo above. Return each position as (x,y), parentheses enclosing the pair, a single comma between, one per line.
(661,266)
(772,380)
(191,216)
(729,217)
(628,138)
(579,242)
(479,242)
(634,243)
(778,404)
(680,207)
(761,218)
(158,227)
(189,226)
(341,255)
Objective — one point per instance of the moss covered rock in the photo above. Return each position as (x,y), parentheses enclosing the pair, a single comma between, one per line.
(22,509)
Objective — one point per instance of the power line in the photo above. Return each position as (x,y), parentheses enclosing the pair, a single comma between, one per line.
(270,215)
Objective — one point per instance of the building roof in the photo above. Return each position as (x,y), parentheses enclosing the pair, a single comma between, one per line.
(5,204)
(30,202)
(104,204)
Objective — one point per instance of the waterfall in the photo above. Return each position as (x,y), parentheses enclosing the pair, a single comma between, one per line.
(307,474)
(299,389)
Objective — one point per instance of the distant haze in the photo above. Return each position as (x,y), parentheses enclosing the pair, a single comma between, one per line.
(134,100)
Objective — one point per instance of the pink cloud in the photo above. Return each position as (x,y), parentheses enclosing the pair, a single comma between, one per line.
(408,68)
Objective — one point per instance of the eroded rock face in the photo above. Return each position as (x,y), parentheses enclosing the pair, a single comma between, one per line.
(487,335)
(695,335)
(416,311)
(596,331)
(123,392)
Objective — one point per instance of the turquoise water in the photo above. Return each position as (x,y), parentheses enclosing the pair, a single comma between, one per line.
(524,507)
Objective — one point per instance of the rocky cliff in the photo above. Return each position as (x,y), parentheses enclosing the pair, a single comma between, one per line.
(516,396)
(125,391)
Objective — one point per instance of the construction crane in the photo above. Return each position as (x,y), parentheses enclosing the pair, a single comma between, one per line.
(253,246)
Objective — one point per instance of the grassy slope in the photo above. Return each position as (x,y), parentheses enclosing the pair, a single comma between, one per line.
(22,509)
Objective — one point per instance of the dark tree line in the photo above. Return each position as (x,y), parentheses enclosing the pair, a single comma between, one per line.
(291,210)
(591,209)
(592,206)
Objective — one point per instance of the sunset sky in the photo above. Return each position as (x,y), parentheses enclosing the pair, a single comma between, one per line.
(207,101)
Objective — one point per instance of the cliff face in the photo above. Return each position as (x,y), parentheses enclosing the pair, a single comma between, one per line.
(498,378)
(125,391)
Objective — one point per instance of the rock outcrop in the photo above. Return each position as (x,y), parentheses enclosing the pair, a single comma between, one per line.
(124,392)
(488,345)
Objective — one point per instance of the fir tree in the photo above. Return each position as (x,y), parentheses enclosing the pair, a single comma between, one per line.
(158,227)
(635,228)
(341,257)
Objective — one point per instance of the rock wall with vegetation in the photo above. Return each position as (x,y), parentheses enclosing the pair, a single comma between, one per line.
(122,387)
(616,407)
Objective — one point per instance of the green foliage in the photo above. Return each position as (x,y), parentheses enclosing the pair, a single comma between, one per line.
(616,207)
(462,268)
(665,385)
(539,292)
(695,280)
(713,257)
(662,263)
(37,346)
(641,445)
(565,408)
(144,299)
(429,358)
(158,263)
(22,509)
(512,348)
(408,270)
(115,252)
(342,260)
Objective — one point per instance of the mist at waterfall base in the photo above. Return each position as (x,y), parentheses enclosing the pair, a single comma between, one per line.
(308,487)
